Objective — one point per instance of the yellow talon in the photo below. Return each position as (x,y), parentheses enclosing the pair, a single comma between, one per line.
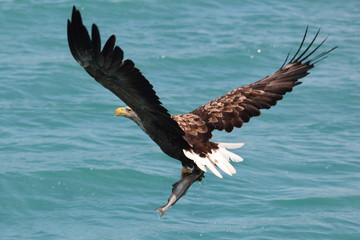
(185,171)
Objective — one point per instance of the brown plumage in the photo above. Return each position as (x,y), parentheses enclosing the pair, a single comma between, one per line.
(185,136)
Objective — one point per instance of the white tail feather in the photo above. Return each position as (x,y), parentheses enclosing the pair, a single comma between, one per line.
(219,157)
(220,161)
(202,167)
(212,167)
(223,152)
(231,145)
(234,157)
(200,162)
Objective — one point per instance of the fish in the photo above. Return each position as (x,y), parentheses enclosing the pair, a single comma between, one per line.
(179,189)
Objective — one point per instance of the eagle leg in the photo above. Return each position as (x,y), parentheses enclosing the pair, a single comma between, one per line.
(185,171)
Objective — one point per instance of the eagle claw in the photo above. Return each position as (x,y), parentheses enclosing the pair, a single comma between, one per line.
(184,172)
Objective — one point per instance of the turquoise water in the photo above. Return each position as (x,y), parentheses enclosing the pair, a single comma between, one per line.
(70,170)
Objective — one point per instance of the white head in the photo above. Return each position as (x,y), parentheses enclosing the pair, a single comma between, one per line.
(129,113)
(126,112)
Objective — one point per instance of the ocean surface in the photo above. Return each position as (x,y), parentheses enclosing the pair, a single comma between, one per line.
(70,170)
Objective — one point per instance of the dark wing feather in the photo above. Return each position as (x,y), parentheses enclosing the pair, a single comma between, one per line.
(239,105)
(123,79)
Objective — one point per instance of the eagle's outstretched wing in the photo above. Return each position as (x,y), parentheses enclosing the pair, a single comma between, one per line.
(123,79)
(239,105)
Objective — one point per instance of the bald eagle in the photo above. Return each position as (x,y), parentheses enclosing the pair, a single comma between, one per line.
(185,137)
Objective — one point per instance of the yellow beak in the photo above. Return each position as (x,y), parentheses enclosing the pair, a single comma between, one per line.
(121,112)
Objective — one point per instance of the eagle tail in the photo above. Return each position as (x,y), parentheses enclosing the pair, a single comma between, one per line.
(217,158)
(231,145)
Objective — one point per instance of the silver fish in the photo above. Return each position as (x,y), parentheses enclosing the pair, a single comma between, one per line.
(179,189)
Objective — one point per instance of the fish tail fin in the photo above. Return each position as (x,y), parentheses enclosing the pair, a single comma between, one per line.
(162,210)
